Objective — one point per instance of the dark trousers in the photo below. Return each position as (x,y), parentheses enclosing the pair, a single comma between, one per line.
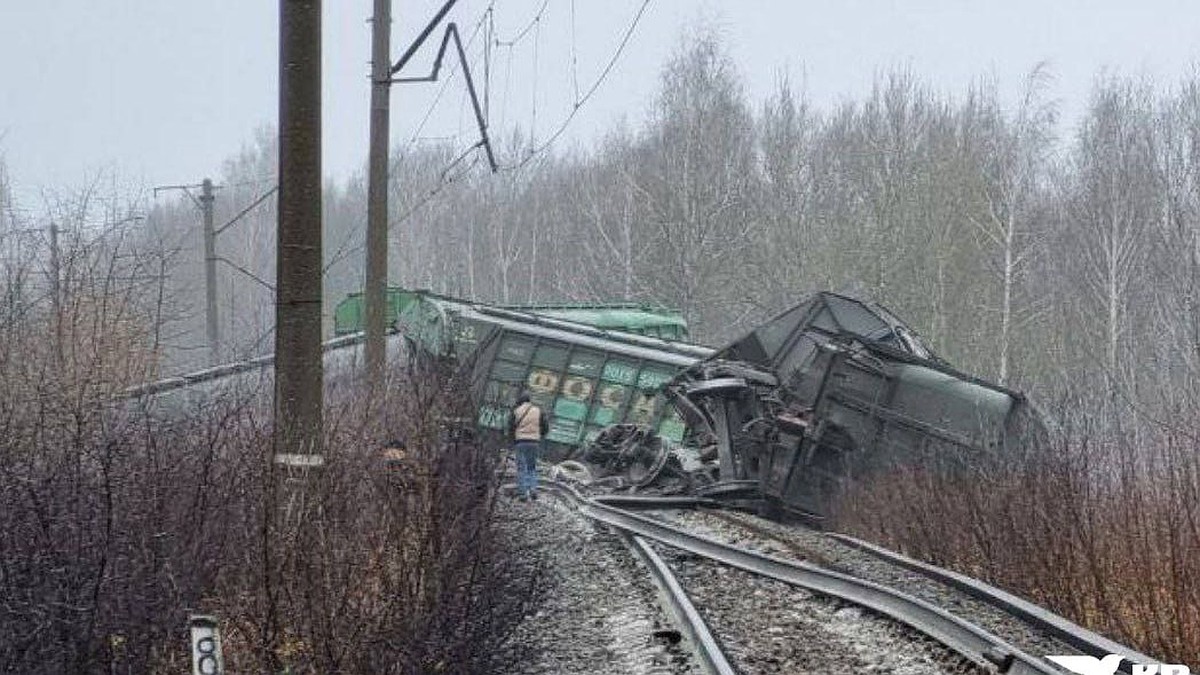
(527,452)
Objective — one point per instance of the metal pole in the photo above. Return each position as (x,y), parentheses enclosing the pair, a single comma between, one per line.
(210,270)
(375,290)
(56,291)
(298,367)
(55,297)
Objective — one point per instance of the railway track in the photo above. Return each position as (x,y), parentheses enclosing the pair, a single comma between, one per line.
(1057,627)
(592,609)
(698,553)
(1018,621)
(708,651)
(768,626)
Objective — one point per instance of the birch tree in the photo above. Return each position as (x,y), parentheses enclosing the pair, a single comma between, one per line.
(1012,166)
(789,257)
(694,182)
(1177,244)
(1110,207)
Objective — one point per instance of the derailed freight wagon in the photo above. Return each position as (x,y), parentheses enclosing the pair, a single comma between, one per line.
(585,377)
(834,391)
(630,317)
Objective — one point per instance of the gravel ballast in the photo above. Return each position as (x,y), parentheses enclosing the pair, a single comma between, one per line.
(767,626)
(798,542)
(595,609)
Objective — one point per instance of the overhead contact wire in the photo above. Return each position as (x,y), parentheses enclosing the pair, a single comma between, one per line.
(588,94)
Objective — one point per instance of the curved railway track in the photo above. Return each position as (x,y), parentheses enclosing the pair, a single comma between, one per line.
(708,651)
(767,626)
(983,648)
(1077,637)
(1020,622)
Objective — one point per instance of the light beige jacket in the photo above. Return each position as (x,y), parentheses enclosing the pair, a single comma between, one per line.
(528,420)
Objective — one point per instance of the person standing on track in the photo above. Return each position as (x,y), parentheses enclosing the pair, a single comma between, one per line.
(528,425)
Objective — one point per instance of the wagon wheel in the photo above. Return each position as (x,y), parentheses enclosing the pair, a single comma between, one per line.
(648,458)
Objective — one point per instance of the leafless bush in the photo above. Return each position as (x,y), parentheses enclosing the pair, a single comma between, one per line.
(107,543)
(118,518)
(107,534)
(79,519)
(389,567)
(1102,526)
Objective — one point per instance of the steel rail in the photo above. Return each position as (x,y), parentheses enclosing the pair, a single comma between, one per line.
(1066,631)
(1070,633)
(225,370)
(652,502)
(965,638)
(706,647)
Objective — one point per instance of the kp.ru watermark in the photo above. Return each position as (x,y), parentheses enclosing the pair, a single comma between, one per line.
(1090,665)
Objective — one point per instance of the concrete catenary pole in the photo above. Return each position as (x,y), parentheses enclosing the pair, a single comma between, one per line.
(210,271)
(298,367)
(375,290)
(56,291)
(55,273)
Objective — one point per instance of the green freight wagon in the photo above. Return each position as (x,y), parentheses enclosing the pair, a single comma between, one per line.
(349,315)
(631,317)
(585,377)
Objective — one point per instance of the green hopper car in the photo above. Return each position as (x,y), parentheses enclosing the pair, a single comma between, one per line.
(349,316)
(631,317)
(586,377)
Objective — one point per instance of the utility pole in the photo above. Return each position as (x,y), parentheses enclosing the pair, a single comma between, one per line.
(210,270)
(299,374)
(298,367)
(375,290)
(205,203)
(56,291)
(55,264)
(382,72)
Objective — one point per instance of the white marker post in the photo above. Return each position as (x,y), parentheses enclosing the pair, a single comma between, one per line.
(206,645)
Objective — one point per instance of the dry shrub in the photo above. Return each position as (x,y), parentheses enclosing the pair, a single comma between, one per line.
(1102,526)
(395,565)
(119,518)
(113,530)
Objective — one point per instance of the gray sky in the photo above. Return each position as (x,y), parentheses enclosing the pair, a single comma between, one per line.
(163,90)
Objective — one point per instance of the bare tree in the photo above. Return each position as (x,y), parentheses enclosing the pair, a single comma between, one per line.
(693,177)
(1111,205)
(1013,161)
(788,251)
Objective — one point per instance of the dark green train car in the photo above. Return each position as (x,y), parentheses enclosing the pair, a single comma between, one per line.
(831,392)
(585,377)
(836,390)
(630,317)
(349,316)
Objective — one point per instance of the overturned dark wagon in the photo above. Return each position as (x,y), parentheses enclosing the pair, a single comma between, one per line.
(836,390)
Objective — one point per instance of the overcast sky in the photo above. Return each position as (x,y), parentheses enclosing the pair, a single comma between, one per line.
(161,91)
